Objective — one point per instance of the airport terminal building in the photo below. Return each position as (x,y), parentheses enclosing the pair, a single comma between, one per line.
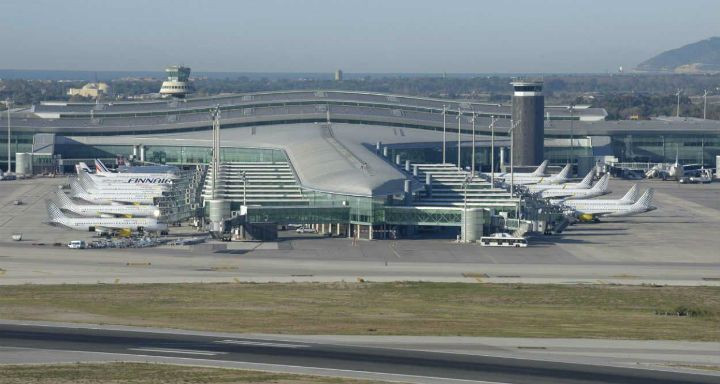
(366,163)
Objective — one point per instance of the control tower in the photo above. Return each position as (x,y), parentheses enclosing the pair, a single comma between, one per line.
(177,83)
(528,105)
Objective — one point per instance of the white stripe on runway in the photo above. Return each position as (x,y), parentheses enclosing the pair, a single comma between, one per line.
(261,344)
(179,351)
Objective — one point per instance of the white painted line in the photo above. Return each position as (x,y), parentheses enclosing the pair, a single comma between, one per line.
(260,344)
(179,351)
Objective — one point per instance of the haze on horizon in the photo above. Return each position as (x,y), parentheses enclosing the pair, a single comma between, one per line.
(381,36)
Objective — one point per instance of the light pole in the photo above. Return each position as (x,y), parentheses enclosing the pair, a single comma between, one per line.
(215,116)
(572,141)
(512,169)
(474,115)
(512,156)
(468,179)
(444,113)
(459,119)
(244,178)
(7,104)
(492,150)
(677,112)
(705,104)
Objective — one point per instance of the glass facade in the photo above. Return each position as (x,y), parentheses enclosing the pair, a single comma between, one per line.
(689,148)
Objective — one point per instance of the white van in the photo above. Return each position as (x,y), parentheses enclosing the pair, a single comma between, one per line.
(77,244)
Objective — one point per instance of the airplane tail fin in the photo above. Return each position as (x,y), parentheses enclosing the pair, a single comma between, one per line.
(563,175)
(587,180)
(85,181)
(63,200)
(631,195)
(540,171)
(54,212)
(76,188)
(602,184)
(81,166)
(645,200)
(100,167)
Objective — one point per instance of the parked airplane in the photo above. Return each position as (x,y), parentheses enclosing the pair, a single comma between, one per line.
(600,188)
(89,185)
(135,178)
(591,210)
(539,172)
(630,197)
(558,178)
(585,183)
(105,210)
(150,185)
(103,224)
(110,196)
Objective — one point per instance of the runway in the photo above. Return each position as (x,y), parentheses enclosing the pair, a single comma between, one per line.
(316,357)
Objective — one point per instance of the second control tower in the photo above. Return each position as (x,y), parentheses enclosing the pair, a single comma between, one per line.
(177,83)
(528,106)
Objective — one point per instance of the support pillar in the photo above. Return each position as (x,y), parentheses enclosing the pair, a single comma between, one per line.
(502,159)
(428,184)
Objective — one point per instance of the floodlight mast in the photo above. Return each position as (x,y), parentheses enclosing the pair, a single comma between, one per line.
(513,125)
(8,102)
(215,116)
(492,150)
(512,166)
(572,138)
(705,94)
(472,166)
(444,113)
(677,112)
(459,119)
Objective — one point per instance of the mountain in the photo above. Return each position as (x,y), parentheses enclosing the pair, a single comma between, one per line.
(699,57)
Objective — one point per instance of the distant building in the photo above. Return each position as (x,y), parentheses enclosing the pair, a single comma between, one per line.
(177,83)
(338,75)
(93,90)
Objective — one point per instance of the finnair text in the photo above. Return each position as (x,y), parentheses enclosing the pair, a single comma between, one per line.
(150,180)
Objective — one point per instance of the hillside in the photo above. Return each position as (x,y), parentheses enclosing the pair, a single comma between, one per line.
(699,57)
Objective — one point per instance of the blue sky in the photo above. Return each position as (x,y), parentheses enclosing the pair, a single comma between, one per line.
(460,36)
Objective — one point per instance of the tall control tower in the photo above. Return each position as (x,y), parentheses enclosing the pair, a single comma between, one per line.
(177,83)
(528,106)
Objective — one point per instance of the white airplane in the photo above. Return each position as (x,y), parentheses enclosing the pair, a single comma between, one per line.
(539,172)
(630,197)
(91,186)
(558,178)
(591,210)
(96,196)
(150,185)
(105,210)
(133,178)
(104,224)
(585,183)
(600,188)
